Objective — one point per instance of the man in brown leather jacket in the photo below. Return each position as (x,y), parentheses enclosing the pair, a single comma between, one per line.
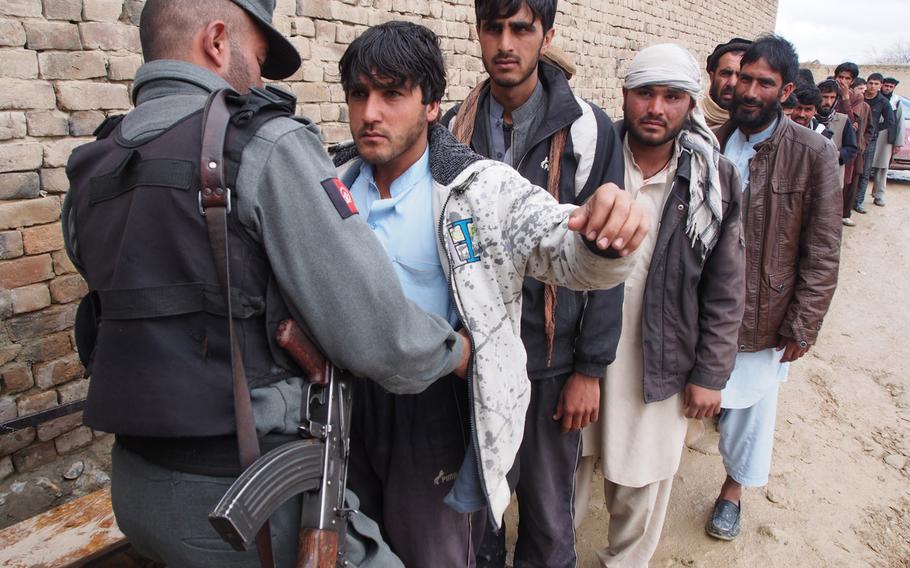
(792,220)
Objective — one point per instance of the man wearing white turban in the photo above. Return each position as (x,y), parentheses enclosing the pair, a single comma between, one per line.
(683,302)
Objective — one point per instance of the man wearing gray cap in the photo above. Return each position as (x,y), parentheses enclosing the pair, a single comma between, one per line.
(676,349)
(160,358)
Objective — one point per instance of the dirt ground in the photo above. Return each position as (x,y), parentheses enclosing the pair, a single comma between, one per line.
(839,493)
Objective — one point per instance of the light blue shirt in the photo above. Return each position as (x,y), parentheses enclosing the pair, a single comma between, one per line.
(740,149)
(754,374)
(405,226)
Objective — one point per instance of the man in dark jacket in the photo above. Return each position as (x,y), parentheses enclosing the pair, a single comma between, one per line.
(792,223)
(526,115)
(882,120)
(676,349)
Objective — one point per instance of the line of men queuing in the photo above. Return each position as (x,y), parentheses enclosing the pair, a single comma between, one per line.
(520,317)
(875,115)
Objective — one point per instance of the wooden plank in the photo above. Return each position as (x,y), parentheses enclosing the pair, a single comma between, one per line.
(67,535)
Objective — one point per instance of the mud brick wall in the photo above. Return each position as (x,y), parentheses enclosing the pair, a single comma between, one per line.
(67,64)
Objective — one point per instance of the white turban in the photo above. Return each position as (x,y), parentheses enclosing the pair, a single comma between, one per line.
(671,65)
(665,64)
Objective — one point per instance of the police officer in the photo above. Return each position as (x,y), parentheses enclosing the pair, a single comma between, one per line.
(160,353)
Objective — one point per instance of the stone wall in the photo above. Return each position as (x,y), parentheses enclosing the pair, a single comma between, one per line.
(66,64)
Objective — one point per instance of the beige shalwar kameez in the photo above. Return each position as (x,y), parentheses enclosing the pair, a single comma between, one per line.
(640,445)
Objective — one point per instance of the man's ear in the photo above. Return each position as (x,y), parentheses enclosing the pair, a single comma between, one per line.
(432,112)
(215,47)
(786,91)
(547,40)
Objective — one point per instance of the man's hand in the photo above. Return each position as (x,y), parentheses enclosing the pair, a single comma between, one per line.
(699,402)
(792,349)
(611,218)
(579,402)
(844,91)
(461,370)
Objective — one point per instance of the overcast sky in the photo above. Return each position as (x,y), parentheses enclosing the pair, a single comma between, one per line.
(833,31)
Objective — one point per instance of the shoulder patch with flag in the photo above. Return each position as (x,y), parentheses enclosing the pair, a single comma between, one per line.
(341,197)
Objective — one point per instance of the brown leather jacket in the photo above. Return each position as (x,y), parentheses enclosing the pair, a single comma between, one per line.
(792,219)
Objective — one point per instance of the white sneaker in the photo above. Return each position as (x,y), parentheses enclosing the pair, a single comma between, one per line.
(848,222)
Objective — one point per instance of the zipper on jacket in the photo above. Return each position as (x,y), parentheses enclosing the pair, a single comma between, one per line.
(766,199)
(469,375)
(457,190)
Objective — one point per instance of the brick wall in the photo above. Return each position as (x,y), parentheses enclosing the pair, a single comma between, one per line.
(66,64)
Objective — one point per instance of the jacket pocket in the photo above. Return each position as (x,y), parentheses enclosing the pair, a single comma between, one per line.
(782,282)
(781,286)
(782,186)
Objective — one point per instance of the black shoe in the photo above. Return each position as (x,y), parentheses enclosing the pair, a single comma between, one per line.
(860,209)
(724,521)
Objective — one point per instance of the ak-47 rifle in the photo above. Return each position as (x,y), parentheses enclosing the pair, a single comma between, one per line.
(314,466)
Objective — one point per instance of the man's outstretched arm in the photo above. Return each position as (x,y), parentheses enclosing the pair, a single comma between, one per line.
(335,275)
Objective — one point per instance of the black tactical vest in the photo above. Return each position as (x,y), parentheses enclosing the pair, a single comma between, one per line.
(160,360)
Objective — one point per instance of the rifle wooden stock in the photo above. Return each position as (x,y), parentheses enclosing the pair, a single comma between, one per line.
(293,340)
(317,548)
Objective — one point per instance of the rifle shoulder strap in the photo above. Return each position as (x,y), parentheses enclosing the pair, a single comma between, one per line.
(215,205)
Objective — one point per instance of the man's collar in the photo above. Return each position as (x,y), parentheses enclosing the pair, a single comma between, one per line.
(679,158)
(763,134)
(164,77)
(447,156)
(523,113)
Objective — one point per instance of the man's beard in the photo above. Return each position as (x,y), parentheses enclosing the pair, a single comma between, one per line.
(715,94)
(238,73)
(800,120)
(397,146)
(642,139)
(765,115)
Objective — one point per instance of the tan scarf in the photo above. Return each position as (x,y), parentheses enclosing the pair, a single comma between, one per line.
(714,115)
(463,130)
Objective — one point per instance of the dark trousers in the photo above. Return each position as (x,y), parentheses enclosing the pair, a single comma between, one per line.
(164,514)
(868,158)
(851,182)
(405,453)
(546,466)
